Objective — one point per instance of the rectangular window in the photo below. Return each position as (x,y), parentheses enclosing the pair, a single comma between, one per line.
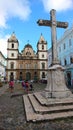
(59,49)
(21,66)
(12,54)
(64,46)
(65,62)
(71,59)
(69,42)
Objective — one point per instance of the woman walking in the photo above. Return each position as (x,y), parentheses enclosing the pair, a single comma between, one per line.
(11,86)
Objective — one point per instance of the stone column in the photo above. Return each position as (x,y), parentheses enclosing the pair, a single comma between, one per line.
(54,37)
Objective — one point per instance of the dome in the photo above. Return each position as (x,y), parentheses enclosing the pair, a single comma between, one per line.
(12,38)
(28,45)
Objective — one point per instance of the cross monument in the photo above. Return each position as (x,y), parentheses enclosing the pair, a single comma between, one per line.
(56,87)
(53,24)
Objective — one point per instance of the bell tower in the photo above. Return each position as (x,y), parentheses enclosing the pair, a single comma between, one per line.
(12,56)
(42,53)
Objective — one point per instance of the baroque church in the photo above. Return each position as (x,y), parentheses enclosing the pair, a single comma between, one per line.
(26,65)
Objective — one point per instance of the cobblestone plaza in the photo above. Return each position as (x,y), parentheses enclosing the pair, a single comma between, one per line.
(12,113)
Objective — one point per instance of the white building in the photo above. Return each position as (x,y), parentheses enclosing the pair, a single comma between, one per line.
(65,54)
(2,66)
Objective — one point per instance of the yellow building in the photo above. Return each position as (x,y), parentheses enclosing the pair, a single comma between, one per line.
(26,65)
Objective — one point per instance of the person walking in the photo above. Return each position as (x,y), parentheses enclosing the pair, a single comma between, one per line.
(11,86)
(27,86)
(31,86)
(23,85)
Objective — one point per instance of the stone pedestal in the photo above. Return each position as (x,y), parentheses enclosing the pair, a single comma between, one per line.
(56,86)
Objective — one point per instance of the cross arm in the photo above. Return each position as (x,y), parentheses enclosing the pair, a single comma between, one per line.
(42,22)
(62,24)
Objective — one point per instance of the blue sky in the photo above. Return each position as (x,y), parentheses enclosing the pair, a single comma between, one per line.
(20,16)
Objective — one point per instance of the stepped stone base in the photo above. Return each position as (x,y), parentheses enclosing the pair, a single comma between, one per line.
(58,94)
(39,108)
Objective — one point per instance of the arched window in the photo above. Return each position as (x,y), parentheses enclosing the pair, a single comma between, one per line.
(42,47)
(27,66)
(42,55)
(11,73)
(43,65)
(43,74)
(12,45)
(35,76)
(12,54)
(35,66)
(11,76)
(12,65)
(28,53)
(35,73)
(21,76)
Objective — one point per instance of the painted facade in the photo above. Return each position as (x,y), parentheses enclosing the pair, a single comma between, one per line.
(65,54)
(26,65)
(2,67)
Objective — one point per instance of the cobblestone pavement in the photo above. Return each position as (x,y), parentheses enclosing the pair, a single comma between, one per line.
(12,114)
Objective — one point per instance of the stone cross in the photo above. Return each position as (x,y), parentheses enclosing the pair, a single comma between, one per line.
(53,24)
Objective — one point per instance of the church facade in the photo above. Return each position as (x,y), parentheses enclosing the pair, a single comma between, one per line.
(26,65)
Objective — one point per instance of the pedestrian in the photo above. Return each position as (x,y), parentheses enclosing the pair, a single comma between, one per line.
(27,86)
(23,85)
(11,85)
(31,86)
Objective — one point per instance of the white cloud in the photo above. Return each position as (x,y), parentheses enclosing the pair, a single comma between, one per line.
(13,8)
(59,5)
(3,44)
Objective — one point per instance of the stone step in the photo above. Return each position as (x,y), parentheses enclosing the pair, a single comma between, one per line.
(34,117)
(36,105)
(52,101)
(28,109)
(43,101)
(38,108)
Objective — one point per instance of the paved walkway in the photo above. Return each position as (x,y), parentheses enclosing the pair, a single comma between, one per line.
(3,89)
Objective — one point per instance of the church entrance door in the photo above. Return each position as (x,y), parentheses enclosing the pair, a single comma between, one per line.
(28,76)
(11,76)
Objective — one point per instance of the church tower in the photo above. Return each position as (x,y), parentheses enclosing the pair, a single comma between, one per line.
(42,53)
(12,56)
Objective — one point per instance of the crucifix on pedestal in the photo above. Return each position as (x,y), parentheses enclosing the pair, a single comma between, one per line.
(56,86)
